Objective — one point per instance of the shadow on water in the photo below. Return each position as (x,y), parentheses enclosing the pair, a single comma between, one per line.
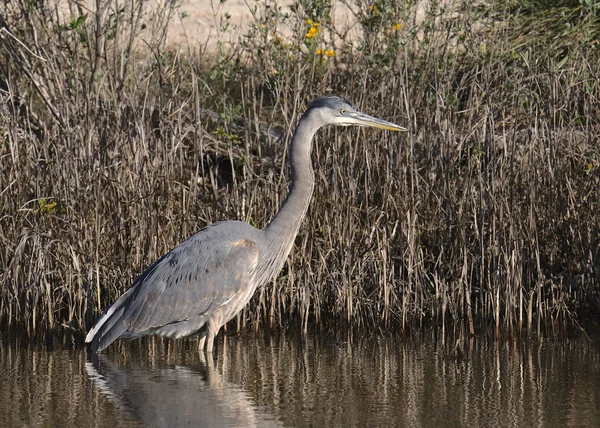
(254,381)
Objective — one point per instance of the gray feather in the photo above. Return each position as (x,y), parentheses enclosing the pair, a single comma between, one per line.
(179,292)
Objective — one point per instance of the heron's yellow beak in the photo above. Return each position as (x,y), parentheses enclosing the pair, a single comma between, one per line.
(366,120)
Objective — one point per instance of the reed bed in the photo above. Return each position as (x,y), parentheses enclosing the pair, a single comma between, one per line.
(484,219)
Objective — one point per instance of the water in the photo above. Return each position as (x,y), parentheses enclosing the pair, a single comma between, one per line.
(253,381)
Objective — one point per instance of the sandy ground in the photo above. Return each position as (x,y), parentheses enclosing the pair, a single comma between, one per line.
(203,23)
(199,22)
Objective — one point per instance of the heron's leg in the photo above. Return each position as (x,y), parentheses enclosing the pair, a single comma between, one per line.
(212,329)
(201,342)
(209,341)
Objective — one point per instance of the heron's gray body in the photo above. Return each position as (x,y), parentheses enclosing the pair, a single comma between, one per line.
(205,281)
(197,287)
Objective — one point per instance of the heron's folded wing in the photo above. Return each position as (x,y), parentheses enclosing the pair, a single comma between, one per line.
(189,281)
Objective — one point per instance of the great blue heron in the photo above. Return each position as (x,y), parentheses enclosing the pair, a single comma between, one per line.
(205,281)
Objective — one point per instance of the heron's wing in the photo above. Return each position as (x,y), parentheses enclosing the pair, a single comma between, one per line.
(188,283)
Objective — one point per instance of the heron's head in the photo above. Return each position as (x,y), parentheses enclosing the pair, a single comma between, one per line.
(337,111)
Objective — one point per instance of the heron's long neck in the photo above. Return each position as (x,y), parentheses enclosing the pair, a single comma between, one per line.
(283,229)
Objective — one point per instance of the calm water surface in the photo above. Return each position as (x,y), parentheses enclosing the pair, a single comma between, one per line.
(253,381)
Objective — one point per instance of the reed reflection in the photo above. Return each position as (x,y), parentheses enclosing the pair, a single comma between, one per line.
(422,382)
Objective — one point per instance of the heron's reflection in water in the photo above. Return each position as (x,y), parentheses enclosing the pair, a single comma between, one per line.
(175,395)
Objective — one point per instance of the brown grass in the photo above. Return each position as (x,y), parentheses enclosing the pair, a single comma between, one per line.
(485,218)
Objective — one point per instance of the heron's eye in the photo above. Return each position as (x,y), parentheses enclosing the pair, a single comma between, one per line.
(343,111)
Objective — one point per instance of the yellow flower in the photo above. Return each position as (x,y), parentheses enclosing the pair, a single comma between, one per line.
(317,25)
(397,27)
(312,32)
(373,7)
(309,22)
(319,52)
(329,53)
